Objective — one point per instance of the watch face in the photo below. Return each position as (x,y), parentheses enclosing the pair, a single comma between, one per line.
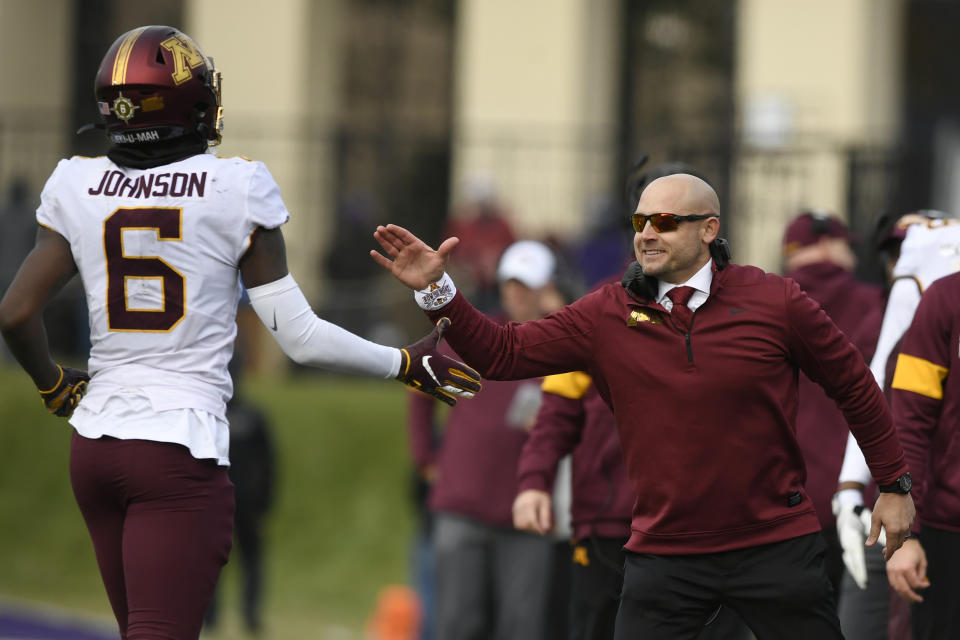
(906,482)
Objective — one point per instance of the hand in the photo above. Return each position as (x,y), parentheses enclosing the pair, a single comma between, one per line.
(907,570)
(410,260)
(426,369)
(533,511)
(63,397)
(895,512)
(853,523)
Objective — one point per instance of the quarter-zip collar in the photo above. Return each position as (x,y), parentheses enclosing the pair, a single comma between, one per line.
(700,281)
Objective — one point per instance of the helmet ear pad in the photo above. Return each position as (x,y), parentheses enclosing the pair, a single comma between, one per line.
(155,84)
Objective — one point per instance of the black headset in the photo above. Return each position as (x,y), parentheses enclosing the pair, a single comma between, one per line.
(643,288)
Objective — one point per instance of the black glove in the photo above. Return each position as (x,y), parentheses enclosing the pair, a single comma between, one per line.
(426,369)
(64,396)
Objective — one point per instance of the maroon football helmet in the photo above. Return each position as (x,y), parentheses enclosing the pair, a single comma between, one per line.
(155,84)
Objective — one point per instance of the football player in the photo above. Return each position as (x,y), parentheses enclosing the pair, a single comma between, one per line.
(159,230)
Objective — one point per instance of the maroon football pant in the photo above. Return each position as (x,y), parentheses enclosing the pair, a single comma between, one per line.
(161,523)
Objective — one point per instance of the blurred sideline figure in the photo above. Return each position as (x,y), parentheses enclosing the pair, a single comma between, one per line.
(483,225)
(926,407)
(159,231)
(491,580)
(928,251)
(253,466)
(818,255)
(704,392)
(19,228)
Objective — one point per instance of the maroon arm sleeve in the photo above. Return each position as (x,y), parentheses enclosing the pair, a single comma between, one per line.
(558,343)
(555,433)
(828,358)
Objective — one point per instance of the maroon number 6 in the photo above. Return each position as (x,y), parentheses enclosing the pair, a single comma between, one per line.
(120,267)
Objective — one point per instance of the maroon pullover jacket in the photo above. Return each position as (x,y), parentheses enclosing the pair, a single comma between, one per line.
(857,309)
(925,397)
(707,421)
(574,418)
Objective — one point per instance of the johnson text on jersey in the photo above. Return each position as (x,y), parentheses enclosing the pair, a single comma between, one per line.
(175,185)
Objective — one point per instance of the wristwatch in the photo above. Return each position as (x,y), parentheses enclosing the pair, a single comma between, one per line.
(900,485)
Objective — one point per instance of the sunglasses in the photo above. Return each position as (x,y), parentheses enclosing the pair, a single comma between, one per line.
(663,222)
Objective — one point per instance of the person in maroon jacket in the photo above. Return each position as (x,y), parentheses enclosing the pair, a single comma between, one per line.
(818,256)
(491,580)
(699,364)
(925,398)
(573,418)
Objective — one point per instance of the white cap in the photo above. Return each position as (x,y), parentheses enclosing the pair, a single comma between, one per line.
(530,262)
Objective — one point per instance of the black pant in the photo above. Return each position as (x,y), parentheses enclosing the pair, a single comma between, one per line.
(938,616)
(595,583)
(780,590)
(597,580)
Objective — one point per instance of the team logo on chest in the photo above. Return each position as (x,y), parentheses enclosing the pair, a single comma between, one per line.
(123,107)
(638,317)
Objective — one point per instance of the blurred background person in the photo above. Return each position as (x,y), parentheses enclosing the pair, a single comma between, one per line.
(925,398)
(926,245)
(818,255)
(483,225)
(491,581)
(19,228)
(253,471)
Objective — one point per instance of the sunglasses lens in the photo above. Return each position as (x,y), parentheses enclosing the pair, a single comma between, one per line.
(664,222)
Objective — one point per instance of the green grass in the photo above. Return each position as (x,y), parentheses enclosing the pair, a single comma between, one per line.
(339,531)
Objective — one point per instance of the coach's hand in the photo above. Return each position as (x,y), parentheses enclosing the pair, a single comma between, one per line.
(533,511)
(425,369)
(63,397)
(410,259)
(895,512)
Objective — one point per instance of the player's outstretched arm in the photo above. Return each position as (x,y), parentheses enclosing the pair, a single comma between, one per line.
(307,339)
(43,273)
(410,259)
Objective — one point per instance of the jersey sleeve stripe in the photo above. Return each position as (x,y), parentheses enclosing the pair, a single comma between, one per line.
(919,376)
(571,385)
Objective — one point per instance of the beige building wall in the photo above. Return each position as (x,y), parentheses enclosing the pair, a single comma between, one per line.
(35,44)
(535,105)
(280,72)
(813,78)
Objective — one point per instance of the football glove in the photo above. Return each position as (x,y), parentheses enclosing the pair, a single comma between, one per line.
(425,369)
(853,526)
(63,397)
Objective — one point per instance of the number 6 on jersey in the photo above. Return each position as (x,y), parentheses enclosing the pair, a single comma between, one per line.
(121,267)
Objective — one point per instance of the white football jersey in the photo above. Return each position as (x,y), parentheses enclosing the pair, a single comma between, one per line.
(930,250)
(158,251)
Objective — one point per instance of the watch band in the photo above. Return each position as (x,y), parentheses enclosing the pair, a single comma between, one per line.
(901,485)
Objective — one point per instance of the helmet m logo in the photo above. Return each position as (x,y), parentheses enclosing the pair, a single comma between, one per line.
(186,56)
